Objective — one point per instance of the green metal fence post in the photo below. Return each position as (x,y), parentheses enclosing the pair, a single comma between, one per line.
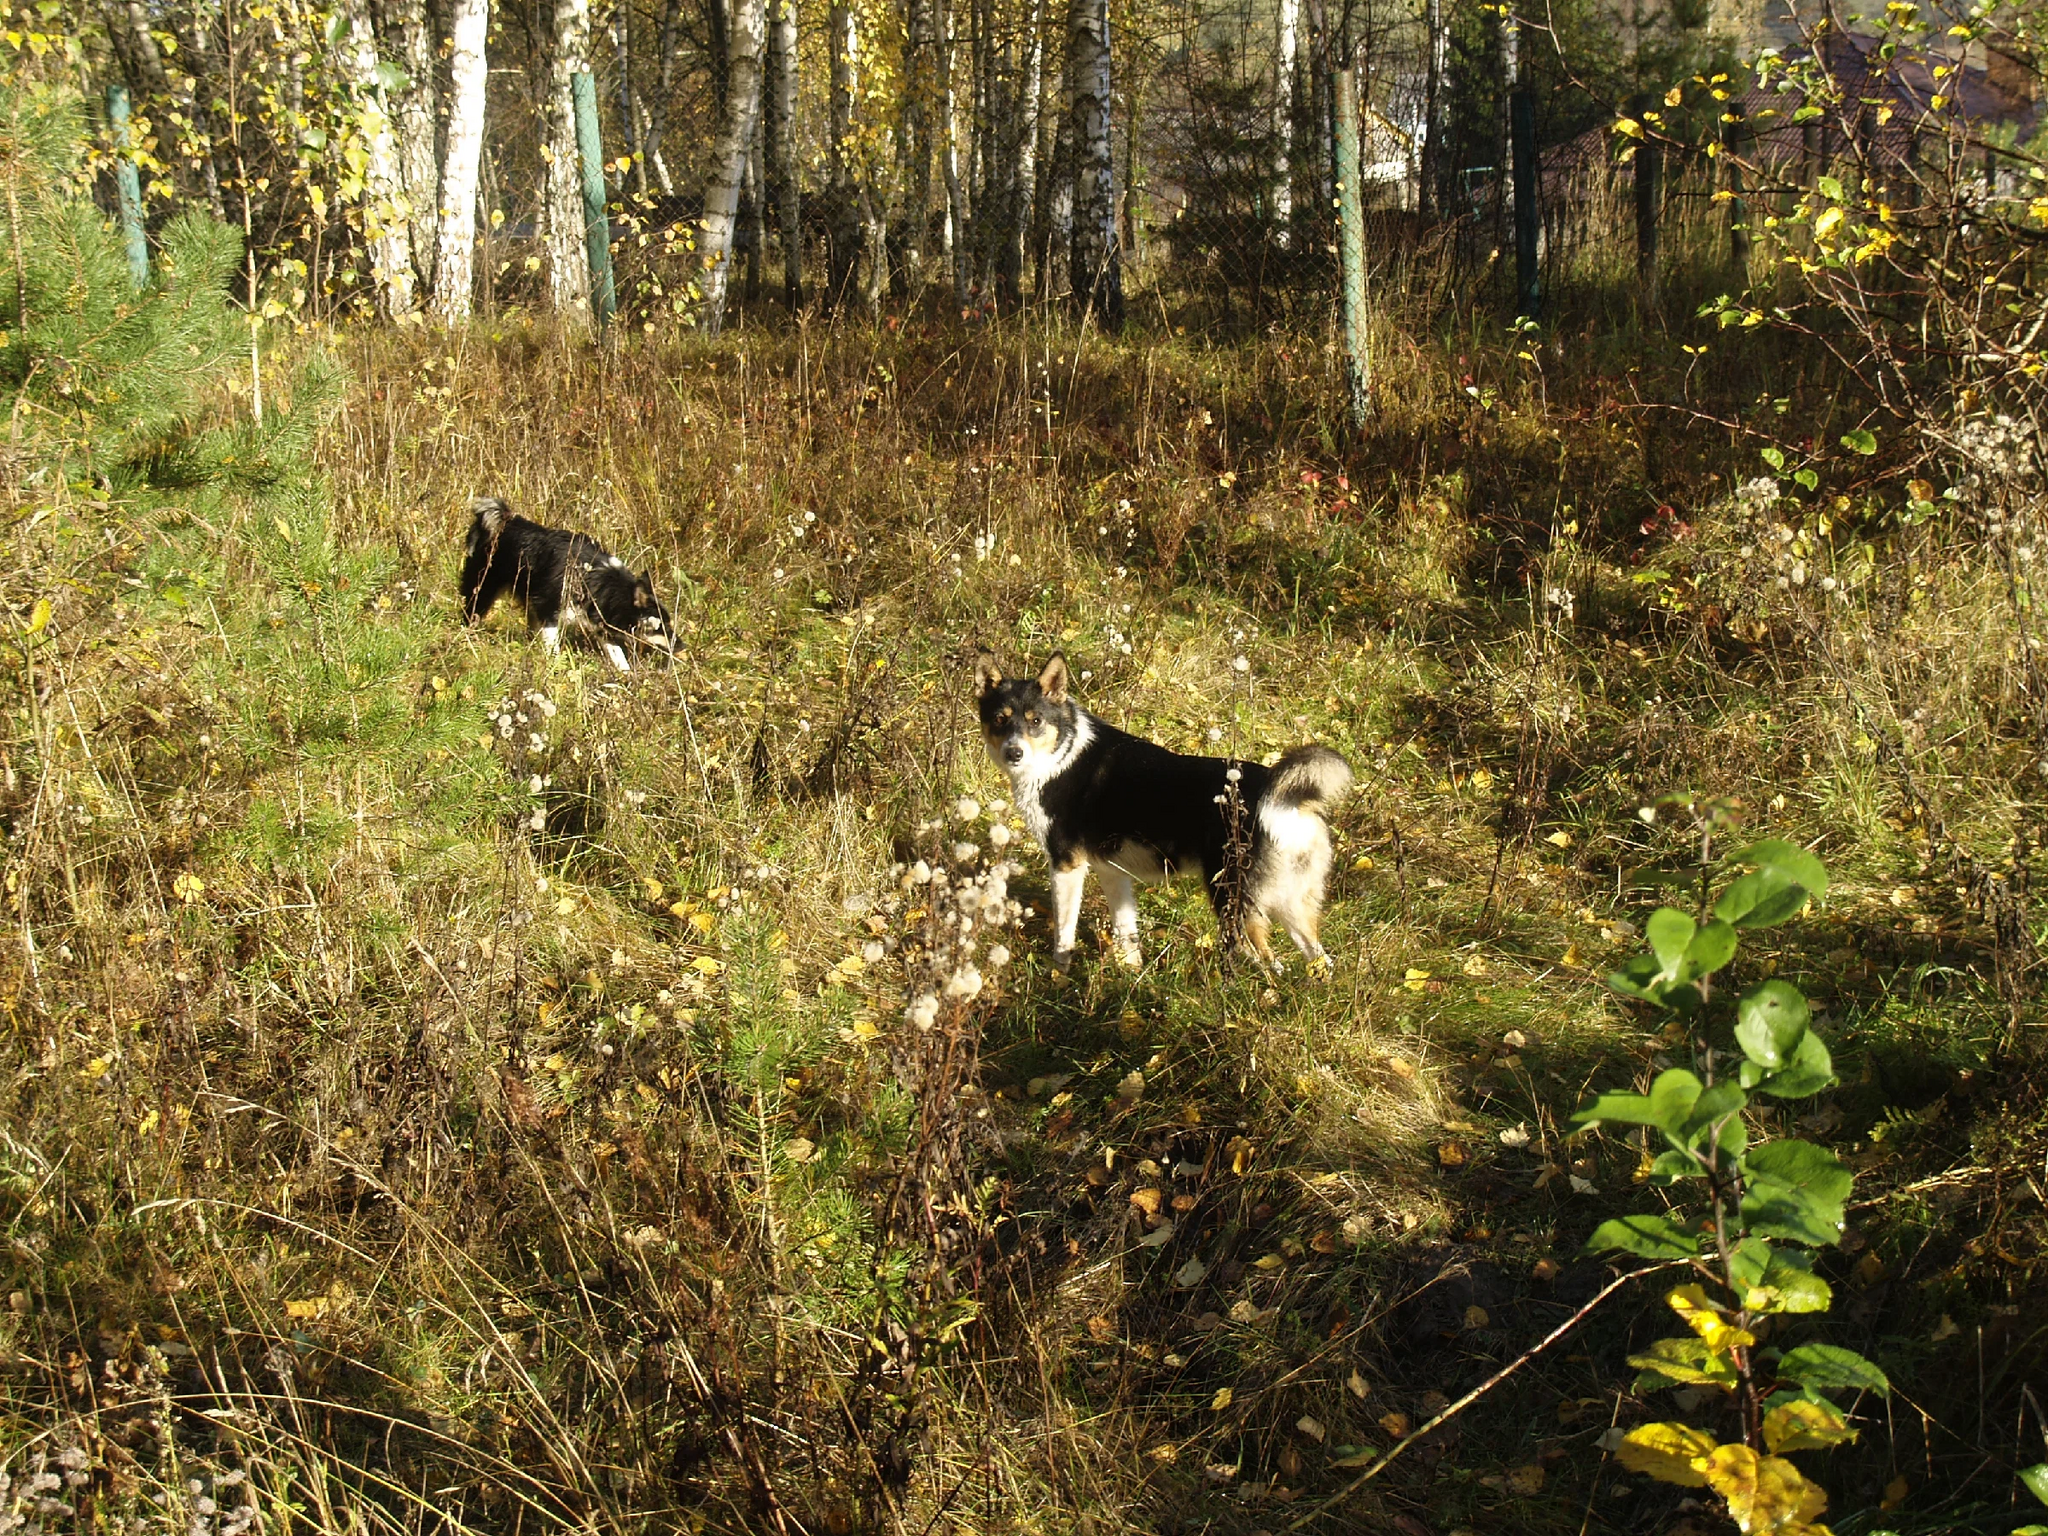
(128,187)
(1351,247)
(597,228)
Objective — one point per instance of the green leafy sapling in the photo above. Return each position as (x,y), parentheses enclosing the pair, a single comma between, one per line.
(1743,1216)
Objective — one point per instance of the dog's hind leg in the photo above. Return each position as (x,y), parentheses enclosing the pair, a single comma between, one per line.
(1258,935)
(1066,910)
(1121,892)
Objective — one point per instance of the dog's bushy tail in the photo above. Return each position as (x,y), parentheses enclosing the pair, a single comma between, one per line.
(1313,778)
(490,516)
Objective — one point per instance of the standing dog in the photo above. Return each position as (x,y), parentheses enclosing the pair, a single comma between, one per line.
(565,582)
(1094,795)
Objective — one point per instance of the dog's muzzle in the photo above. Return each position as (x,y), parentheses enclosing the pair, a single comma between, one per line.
(1013,753)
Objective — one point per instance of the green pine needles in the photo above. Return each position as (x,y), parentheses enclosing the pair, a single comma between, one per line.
(104,378)
(1743,1216)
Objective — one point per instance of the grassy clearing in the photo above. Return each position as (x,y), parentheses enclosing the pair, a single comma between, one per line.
(454,1088)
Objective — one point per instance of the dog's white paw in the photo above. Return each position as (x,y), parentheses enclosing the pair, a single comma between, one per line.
(1131,959)
(1062,960)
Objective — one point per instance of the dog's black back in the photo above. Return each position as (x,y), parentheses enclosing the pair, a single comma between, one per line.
(1185,809)
(563,581)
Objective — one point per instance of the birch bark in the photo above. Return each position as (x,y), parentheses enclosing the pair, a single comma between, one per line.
(468,75)
(745,40)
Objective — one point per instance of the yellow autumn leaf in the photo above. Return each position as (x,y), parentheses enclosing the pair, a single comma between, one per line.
(188,887)
(39,616)
(1805,1425)
(1690,1302)
(1825,226)
(1674,96)
(1628,127)
(703,922)
(565,906)
(97,1068)
(1671,1453)
(707,965)
(1559,839)
(1220,1401)
(1767,1495)
(652,886)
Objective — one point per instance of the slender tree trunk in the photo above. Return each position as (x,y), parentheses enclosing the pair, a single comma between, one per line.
(1286,114)
(629,97)
(919,46)
(754,212)
(1028,103)
(1649,189)
(1056,278)
(1006,265)
(1528,182)
(1047,134)
(1097,266)
(387,213)
(664,76)
(746,37)
(416,115)
(1429,163)
(779,147)
(562,176)
(843,214)
(720,51)
(468,73)
(949,159)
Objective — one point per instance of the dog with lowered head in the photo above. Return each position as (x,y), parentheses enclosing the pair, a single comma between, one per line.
(568,583)
(1098,798)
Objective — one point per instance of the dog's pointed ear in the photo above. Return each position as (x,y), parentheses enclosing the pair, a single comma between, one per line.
(1052,682)
(987,674)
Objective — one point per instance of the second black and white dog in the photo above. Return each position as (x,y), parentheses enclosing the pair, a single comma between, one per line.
(568,583)
(1097,797)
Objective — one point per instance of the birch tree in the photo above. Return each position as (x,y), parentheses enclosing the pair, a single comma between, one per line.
(1097,272)
(920,43)
(779,146)
(843,211)
(455,267)
(415,116)
(562,173)
(1286,112)
(387,209)
(745,43)
(949,159)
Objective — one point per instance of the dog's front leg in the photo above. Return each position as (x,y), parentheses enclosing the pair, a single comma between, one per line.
(617,654)
(1066,910)
(1121,892)
(551,638)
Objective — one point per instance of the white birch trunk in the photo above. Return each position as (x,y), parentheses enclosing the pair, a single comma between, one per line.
(562,166)
(1286,112)
(455,266)
(745,42)
(387,209)
(1097,268)
(949,159)
(415,117)
(779,147)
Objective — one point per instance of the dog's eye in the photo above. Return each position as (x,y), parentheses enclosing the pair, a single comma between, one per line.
(1003,718)
(1031,720)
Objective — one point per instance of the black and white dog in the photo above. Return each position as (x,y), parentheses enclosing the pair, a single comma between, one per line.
(568,583)
(1096,796)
